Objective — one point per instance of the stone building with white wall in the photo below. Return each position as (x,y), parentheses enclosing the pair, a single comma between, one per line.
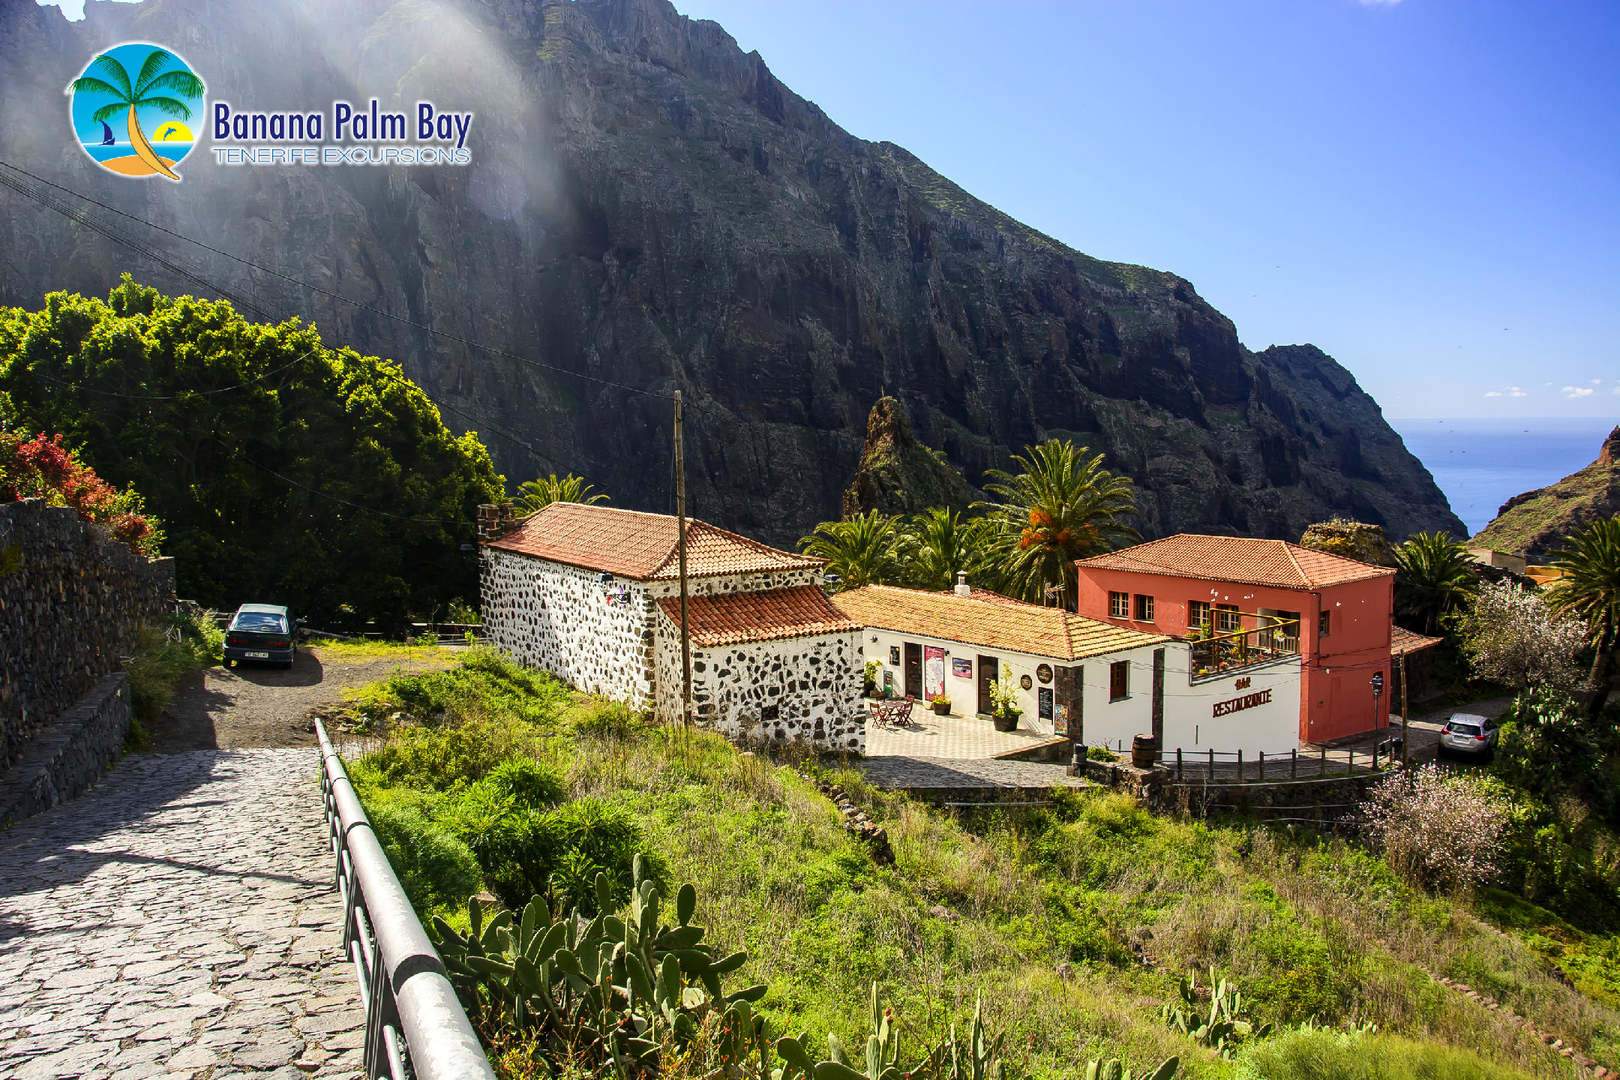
(1093,681)
(590,593)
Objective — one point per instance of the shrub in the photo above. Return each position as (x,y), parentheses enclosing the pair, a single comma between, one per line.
(527,782)
(43,468)
(443,757)
(1322,1054)
(606,719)
(1512,636)
(436,869)
(163,658)
(590,837)
(1440,830)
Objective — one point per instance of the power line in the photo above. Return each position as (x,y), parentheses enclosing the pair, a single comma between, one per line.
(339,297)
(204,283)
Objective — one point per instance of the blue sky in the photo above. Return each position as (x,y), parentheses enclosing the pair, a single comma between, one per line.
(1427,189)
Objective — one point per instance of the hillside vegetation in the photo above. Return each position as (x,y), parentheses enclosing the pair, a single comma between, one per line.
(283,470)
(1075,923)
(1535,523)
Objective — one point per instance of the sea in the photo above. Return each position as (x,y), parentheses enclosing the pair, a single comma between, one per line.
(1480,463)
(174,151)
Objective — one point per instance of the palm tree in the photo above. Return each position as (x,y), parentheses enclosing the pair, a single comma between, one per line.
(936,544)
(1060,506)
(538,494)
(1590,589)
(143,92)
(1436,577)
(859,550)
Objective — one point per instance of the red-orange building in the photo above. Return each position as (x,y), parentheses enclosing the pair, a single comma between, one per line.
(1246,601)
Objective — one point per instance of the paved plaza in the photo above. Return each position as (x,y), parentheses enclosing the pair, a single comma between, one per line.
(179,920)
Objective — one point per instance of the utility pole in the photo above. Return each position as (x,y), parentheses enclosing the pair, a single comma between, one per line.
(1404,716)
(680,555)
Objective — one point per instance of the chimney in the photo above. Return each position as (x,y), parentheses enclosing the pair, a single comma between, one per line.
(962,585)
(494,519)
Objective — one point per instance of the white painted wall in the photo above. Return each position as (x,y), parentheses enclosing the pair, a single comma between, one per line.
(1189,720)
(1190,723)
(558,618)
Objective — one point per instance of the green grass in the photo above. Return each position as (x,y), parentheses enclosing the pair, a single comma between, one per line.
(1074,924)
(164,656)
(361,651)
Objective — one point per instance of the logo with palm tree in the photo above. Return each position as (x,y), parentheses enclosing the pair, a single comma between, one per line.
(113,111)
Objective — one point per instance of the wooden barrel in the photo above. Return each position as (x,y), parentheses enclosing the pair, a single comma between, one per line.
(1144,751)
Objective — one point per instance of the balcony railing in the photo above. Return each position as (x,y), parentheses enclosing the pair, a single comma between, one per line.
(1219,653)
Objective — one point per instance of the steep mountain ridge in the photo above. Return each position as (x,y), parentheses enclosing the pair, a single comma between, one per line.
(648,205)
(1537,523)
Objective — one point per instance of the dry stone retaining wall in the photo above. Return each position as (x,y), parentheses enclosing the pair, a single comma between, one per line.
(71,602)
(67,757)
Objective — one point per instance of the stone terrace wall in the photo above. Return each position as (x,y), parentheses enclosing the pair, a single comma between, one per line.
(71,601)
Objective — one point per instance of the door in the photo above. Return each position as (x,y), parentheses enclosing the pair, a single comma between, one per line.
(989,670)
(914,682)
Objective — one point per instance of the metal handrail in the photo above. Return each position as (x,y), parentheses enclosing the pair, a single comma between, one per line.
(415,1025)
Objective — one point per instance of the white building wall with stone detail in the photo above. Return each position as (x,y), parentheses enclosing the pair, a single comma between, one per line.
(558,618)
(793,689)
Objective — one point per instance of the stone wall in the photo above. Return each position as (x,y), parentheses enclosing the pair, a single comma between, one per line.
(71,602)
(597,637)
(68,756)
(805,689)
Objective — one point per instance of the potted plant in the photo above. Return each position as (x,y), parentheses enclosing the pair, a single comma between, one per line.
(941,704)
(1005,709)
(870,687)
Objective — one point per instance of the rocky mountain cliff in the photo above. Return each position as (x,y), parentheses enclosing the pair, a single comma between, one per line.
(899,475)
(1536,523)
(648,205)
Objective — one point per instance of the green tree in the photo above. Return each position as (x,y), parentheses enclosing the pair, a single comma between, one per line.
(859,551)
(538,494)
(1590,589)
(936,544)
(284,470)
(1060,506)
(1435,579)
(151,88)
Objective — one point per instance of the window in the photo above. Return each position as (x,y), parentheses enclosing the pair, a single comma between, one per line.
(1197,614)
(1119,680)
(1228,619)
(1323,622)
(1119,605)
(1144,608)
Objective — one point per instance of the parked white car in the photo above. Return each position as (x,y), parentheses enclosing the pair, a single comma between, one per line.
(1468,733)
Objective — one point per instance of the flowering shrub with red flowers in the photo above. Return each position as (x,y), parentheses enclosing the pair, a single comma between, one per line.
(43,468)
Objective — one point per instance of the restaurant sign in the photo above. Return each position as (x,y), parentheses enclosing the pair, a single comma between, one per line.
(1247,701)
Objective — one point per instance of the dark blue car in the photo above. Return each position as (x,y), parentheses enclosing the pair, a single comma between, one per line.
(265,633)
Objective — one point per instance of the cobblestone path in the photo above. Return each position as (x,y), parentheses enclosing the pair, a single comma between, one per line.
(178,920)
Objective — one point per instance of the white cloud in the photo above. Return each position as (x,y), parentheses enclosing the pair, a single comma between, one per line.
(1512,391)
(1573,392)
(73,10)
(1493,393)
(1595,382)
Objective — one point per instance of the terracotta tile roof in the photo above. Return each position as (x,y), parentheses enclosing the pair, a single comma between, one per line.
(1238,559)
(640,546)
(993,621)
(732,618)
(1405,642)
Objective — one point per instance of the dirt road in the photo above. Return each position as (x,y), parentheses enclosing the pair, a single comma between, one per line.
(247,707)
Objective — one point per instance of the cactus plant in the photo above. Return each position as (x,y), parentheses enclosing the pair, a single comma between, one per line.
(1113,1070)
(1224,1027)
(613,988)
